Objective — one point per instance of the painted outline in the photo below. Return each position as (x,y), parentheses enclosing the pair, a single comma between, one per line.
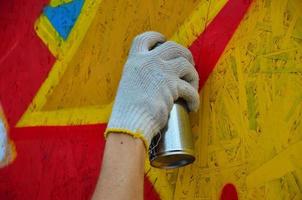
(64,51)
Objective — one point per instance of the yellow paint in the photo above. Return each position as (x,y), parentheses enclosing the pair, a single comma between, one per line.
(283,163)
(55,3)
(90,115)
(49,36)
(248,129)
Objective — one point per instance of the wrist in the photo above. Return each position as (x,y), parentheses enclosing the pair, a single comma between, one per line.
(133,121)
(122,142)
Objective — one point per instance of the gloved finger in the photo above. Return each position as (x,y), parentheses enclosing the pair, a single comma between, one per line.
(171,50)
(145,41)
(187,92)
(185,70)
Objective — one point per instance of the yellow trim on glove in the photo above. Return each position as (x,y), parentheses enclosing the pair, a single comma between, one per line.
(128,132)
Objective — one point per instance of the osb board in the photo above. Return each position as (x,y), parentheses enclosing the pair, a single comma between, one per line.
(248,123)
(248,131)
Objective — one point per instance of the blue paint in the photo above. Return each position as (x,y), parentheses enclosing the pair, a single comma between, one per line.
(63,17)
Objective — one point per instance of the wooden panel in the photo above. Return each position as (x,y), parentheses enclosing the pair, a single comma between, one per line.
(248,129)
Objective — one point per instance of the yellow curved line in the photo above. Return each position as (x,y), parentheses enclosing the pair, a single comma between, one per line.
(88,115)
(55,3)
(49,35)
(61,49)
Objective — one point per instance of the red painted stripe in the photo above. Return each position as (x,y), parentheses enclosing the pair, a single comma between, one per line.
(209,46)
(24,60)
(149,191)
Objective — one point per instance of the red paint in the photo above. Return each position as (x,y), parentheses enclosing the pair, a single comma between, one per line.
(53,163)
(149,191)
(229,192)
(209,46)
(24,60)
(56,163)
(64,162)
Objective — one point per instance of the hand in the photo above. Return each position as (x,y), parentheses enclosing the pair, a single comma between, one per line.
(152,80)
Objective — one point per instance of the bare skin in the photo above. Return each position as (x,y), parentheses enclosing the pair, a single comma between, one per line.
(122,174)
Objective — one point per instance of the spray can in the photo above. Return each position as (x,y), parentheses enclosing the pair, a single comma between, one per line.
(173,147)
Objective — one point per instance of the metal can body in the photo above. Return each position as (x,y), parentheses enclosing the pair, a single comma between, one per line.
(173,147)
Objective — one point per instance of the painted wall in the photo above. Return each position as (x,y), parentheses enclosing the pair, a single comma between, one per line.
(60,64)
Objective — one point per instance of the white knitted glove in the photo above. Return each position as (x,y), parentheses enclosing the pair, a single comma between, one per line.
(152,80)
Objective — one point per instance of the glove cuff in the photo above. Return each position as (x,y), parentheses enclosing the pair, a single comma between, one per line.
(133,121)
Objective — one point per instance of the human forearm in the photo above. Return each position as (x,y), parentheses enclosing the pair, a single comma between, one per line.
(153,78)
(122,170)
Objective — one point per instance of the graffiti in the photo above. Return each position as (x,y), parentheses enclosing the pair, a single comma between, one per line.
(59,70)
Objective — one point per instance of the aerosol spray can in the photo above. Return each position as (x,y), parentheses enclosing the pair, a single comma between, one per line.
(173,147)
